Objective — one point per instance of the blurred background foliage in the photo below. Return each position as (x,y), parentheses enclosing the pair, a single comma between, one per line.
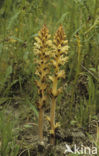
(20,21)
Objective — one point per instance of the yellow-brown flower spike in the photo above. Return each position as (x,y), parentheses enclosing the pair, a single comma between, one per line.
(59,58)
(42,53)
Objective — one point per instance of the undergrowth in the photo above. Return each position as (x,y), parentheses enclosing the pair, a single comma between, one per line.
(20,22)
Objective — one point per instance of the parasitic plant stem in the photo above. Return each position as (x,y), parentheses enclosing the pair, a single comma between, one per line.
(52,120)
(41,114)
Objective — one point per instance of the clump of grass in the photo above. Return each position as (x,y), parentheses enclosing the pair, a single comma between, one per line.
(8,144)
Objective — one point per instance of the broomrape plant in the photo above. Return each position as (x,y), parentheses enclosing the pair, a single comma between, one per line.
(42,52)
(59,58)
(49,54)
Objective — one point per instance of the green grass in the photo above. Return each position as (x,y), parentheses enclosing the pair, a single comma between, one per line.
(8,138)
(20,22)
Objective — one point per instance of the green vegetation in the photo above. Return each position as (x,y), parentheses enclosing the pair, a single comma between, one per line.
(78,104)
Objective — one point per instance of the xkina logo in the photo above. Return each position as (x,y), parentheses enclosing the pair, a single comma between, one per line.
(81,150)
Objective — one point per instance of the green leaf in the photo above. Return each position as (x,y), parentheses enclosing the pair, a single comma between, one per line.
(9,71)
(12,20)
(61,20)
(3,100)
(28,126)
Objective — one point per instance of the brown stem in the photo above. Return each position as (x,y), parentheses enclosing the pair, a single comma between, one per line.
(52,120)
(41,113)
